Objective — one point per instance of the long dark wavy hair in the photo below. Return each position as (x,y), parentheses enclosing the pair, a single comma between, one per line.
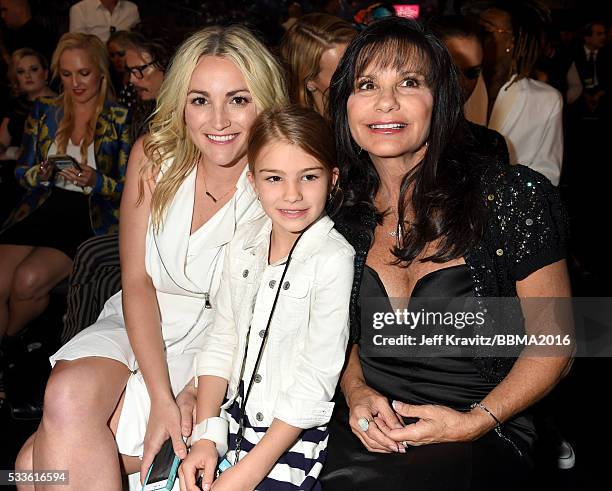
(444,187)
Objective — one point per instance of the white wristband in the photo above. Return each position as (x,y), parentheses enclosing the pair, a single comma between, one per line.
(214,429)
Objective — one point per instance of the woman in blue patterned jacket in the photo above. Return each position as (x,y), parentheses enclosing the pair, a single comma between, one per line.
(63,204)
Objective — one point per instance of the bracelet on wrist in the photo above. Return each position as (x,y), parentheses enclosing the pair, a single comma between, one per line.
(214,429)
(498,426)
(480,405)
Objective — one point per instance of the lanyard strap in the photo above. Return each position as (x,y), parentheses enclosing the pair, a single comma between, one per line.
(243,403)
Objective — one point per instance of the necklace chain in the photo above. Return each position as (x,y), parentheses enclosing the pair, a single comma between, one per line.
(215,200)
(397,233)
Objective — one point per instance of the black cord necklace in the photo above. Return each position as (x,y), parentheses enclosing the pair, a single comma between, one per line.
(243,403)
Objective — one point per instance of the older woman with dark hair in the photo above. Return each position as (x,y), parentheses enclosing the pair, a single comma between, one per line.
(431,214)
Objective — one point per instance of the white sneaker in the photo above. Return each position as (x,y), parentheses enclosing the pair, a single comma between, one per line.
(566,458)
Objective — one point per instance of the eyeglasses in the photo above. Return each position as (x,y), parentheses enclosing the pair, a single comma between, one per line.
(138,71)
(472,73)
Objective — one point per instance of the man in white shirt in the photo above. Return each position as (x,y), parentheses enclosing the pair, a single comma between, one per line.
(103,17)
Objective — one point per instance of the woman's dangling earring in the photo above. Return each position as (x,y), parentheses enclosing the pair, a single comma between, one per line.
(334,191)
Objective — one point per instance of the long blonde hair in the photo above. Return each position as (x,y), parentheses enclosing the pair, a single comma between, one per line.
(168,139)
(96,51)
(302,47)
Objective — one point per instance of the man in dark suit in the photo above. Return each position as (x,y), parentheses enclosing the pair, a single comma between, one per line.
(594,63)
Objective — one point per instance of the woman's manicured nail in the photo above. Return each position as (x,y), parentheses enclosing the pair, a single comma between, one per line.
(396,405)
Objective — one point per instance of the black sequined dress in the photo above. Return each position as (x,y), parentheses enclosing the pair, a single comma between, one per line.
(526,231)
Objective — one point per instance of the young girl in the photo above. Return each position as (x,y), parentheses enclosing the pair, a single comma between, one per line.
(278,341)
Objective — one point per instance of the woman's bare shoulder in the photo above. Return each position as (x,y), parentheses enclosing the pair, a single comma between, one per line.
(141,162)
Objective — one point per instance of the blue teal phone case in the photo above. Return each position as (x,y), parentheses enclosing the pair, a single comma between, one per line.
(168,483)
(163,470)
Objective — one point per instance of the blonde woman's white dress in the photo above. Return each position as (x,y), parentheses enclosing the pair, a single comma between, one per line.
(183,269)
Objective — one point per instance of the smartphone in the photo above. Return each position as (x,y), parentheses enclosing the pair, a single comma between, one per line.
(62,162)
(162,472)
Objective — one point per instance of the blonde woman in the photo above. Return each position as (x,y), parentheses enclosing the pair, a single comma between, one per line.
(311,50)
(113,386)
(62,207)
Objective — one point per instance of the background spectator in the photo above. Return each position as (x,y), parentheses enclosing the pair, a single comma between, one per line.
(30,73)
(63,206)
(116,44)
(147,56)
(311,50)
(528,113)
(103,17)
(22,30)
(463,39)
(594,63)
(557,68)
(29,81)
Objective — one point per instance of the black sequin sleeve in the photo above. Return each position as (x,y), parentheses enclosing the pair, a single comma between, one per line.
(535,222)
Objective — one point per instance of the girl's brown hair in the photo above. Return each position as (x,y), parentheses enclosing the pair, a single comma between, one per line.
(300,126)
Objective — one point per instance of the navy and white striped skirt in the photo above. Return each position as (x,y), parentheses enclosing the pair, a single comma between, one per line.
(297,469)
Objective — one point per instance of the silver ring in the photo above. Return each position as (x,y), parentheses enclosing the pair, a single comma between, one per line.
(364,424)
(405,443)
(79,174)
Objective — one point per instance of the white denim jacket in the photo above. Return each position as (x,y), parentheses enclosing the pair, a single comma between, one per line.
(308,335)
